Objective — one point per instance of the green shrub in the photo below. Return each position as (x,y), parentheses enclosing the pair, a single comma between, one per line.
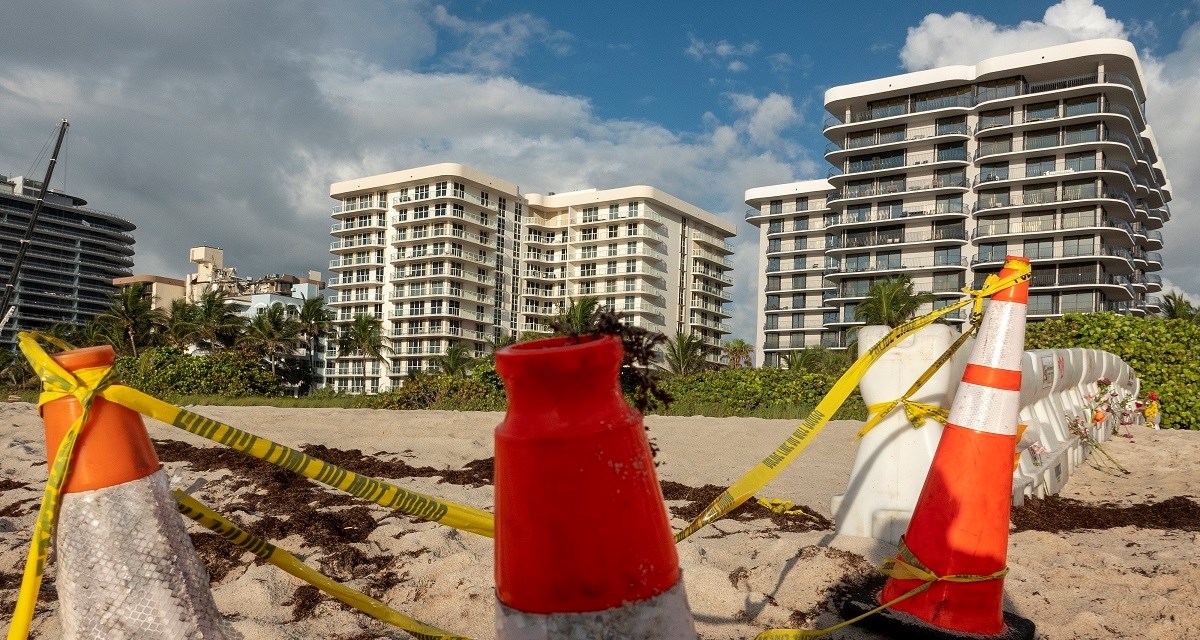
(754,392)
(450,393)
(166,372)
(1164,353)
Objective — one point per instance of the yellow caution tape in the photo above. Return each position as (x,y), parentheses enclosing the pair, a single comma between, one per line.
(412,503)
(43,528)
(758,477)
(904,566)
(783,507)
(268,552)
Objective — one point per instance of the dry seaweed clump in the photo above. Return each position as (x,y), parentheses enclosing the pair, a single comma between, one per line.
(637,379)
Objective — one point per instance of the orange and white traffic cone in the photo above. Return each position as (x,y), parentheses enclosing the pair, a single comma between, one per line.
(126,567)
(583,545)
(957,540)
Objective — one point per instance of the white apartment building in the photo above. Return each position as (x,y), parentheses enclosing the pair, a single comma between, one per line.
(446,253)
(940,174)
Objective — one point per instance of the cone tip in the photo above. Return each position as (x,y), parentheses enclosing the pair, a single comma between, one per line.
(85,358)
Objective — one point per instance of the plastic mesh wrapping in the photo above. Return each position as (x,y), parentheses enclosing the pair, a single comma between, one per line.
(127,569)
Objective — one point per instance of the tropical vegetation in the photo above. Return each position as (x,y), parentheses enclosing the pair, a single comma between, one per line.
(892,302)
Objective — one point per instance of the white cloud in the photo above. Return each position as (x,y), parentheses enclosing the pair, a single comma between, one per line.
(779,62)
(492,47)
(737,66)
(230,135)
(1172,86)
(962,38)
(721,53)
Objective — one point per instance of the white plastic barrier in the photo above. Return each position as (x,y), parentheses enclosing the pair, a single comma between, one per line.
(1056,386)
(893,458)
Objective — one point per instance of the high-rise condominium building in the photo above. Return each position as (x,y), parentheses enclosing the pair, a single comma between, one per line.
(939,174)
(446,254)
(72,258)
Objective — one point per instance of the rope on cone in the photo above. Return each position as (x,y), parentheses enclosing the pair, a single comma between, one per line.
(268,552)
(766,470)
(905,566)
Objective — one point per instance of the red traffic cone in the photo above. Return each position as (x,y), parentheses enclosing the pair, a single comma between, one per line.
(959,527)
(583,545)
(126,567)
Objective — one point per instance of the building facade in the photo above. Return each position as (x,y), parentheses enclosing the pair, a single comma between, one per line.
(447,254)
(940,174)
(74,254)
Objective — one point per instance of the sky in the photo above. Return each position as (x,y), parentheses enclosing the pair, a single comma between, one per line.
(223,123)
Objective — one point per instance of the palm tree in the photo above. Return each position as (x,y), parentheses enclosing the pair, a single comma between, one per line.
(818,360)
(133,316)
(497,343)
(685,353)
(1175,306)
(217,324)
(364,337)
(739,352)
(272,335)
(578,317)
(181,329)
(455,362)
(316,321)
(892,302)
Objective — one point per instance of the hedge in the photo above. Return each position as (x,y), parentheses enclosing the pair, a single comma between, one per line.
(167,372)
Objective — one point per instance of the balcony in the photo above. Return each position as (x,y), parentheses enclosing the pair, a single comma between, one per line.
(906,161)
(1061,170)
(367,204)
(786,209)
(351,261)
(896,189)
(715,275)
(1039,199)
(1060,139)
(1122,257)
(376,222)
(350,243)
(707,238)
(1019,117)
(873,239)
(903,264)
(910,134)
(994,228)
(712,257)
(980,96)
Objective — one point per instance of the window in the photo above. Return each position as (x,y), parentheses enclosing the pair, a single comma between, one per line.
(1078,217)
(993,199)
(858,213)
(1041,304)
(1079,189)
(1037,221)
(950,178)
(591,214)
(994,145)
(797,320)
(994,171)
(1078,246)
(992,251)
(857,262)
(949,230)
(587,270)
(485,198)
(772,321)
(951,203)
(945,256)
(891,235)
(611,267)
(588,252)
(1041,111)
(950,126)
(775,226)
(421,213)
(887,260)
(1035,167)
(943,282)
(801,242)
(1082,161)
(797,282)
(439,190)
(460,191)
(632,209)
(589,234)
(1077,135)
(856,287)
(952,151)
(772,265)
(631,266)
(612,249)
(891,184)
(800,224)
(858,188)
(995,118)
(890,210)
(1083,274)
(776,206)
(1041,139)
(1035,249)
(420,192)
(1039,193)
(802,204)
(1081,301)
(1081,106)
(774,245)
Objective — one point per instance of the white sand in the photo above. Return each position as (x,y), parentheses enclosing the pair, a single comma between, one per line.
(741,577)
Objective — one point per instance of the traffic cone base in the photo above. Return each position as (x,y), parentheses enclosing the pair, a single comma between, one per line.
(901,625)
(656,618)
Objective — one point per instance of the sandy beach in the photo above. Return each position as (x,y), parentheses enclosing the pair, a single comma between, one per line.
(742,575)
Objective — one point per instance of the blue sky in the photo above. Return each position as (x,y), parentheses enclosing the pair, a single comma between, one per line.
(224,123)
